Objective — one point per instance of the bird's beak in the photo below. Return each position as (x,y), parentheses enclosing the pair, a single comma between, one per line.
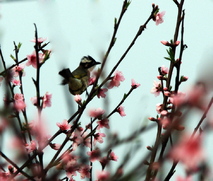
(96,63)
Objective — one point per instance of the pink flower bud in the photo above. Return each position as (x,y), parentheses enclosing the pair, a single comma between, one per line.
(177,43)
(152,119)
(78,98)
(164,113)
(166,43)
(167,93)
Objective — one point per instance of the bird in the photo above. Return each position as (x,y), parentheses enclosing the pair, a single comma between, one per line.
(78,79)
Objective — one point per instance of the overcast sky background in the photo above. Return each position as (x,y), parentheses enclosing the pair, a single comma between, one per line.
(79,28)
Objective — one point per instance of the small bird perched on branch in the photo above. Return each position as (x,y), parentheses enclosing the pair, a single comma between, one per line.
(78,79)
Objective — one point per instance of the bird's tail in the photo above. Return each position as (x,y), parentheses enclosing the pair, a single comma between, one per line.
(66,74)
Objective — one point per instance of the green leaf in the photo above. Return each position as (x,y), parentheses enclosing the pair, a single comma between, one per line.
(125,95)
(47,55)
(127,4)
(115,21)
(171,55)
(12,57)
(19,45)
(167,58)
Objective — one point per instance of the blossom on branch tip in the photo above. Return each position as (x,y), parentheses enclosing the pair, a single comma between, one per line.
(47,100)
(164,70)
(64,125)
(78,99)
(156,89)
(118,77)
(101,93)
(120,110)
(34,100)
(113,156)
(159,17)
(96,113)
(134,84)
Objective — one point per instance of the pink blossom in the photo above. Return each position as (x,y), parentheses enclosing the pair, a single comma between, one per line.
(102,175)
(16,82)
(87,141)
(78,98)
(47,100)
(70,165)
(34,100)
(96,113)
(101,93)
(116,79)
(159,17)
(164,70)
(19,103)
(134,84)
(64,125)
(18,97)
(159,108)
(98,137)
(31,147)
(40,130)
(189,178)
(156,89)
(113,156)
(91,80)
(18,69)
(178,98)
(103,123)
(196,94)
(94,155)
(189,151)
(77,139)
(32,59)
(85,171)
(120,110)
(40,40)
